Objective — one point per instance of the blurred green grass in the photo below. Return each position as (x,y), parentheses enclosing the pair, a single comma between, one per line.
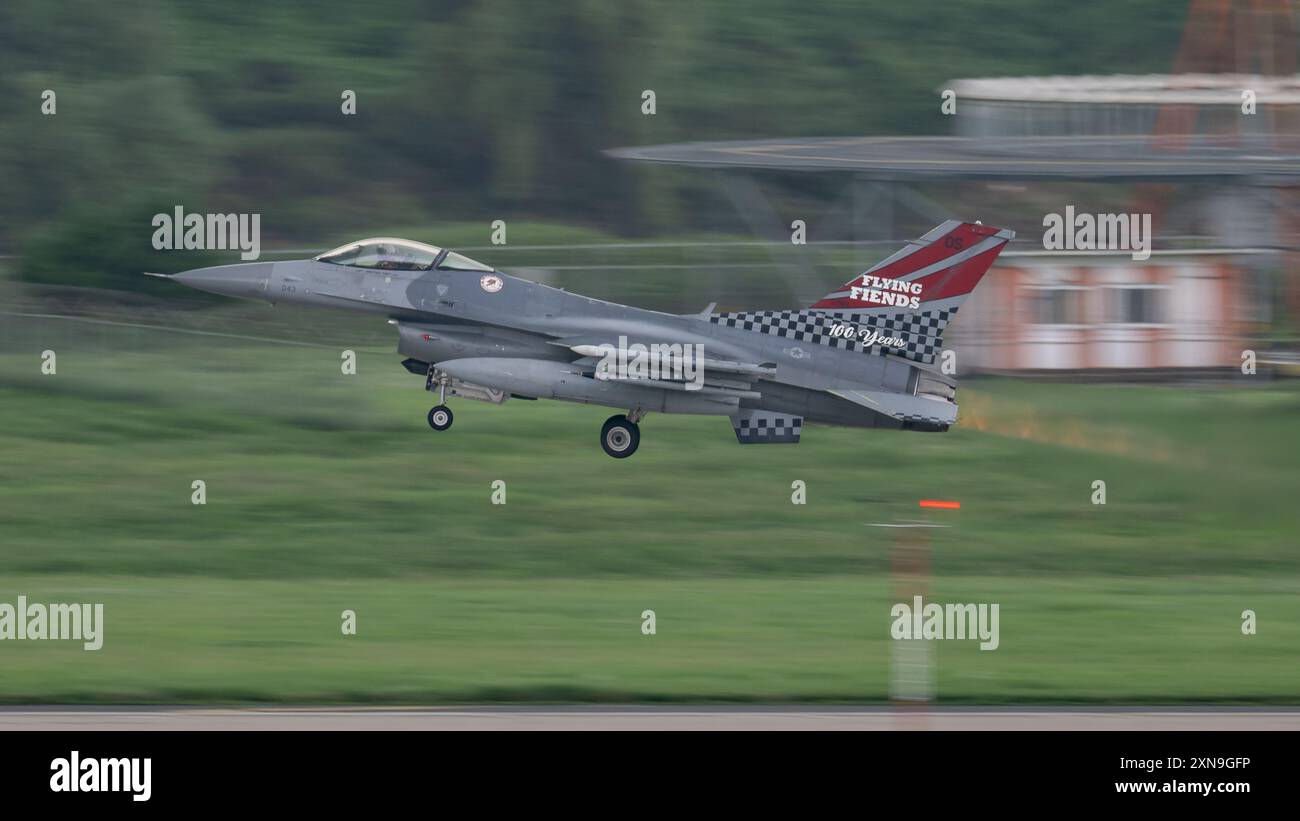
(328,492)
(769,639)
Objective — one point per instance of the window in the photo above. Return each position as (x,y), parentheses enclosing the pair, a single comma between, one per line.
(453,261)
(1056,306)
(341,256)
(1135,306)
(383,254)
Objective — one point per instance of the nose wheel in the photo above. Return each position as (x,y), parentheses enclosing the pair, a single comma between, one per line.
(620,436)
(440,417)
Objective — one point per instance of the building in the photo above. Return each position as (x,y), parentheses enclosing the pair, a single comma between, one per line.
(1048,311)
(1210,151)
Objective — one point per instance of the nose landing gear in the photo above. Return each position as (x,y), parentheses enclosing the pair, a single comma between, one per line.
(440,417)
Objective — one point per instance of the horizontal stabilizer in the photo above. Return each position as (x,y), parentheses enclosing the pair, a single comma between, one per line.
(903,407)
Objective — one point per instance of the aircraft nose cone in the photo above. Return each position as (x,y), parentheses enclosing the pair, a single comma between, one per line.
(248,281)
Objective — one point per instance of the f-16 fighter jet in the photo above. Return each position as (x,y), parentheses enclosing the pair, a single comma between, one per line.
(863,356)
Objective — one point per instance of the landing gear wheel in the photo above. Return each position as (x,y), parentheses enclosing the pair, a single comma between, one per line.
(620,437)
(440,417)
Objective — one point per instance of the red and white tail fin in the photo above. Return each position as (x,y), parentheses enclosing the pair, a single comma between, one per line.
(900,306)
(932,274)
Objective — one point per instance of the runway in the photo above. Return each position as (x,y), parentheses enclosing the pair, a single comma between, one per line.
(637,718)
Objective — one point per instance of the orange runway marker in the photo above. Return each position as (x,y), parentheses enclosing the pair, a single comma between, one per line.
(937,503)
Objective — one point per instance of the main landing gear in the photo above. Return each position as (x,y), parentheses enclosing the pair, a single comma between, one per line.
(621,435)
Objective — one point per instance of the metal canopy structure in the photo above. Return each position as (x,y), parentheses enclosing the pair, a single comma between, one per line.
(929,159)
(1211,152)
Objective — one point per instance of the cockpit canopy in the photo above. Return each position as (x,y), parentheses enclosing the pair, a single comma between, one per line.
(391,254)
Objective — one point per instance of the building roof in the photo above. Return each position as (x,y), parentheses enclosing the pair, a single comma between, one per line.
(937,158)
(1148,89)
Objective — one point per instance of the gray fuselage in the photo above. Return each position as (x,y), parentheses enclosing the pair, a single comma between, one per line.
(451,316)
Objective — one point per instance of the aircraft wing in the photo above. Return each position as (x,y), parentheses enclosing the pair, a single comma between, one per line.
(720,377)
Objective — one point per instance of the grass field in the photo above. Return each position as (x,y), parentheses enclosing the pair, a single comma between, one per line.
(328,492)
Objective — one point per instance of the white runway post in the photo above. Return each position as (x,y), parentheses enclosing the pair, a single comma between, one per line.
(911,668)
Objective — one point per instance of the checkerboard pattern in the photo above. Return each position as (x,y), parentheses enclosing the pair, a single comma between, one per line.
(920,331)
(916,417)
(760,427)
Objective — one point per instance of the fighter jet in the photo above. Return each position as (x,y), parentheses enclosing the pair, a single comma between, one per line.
(863,356)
